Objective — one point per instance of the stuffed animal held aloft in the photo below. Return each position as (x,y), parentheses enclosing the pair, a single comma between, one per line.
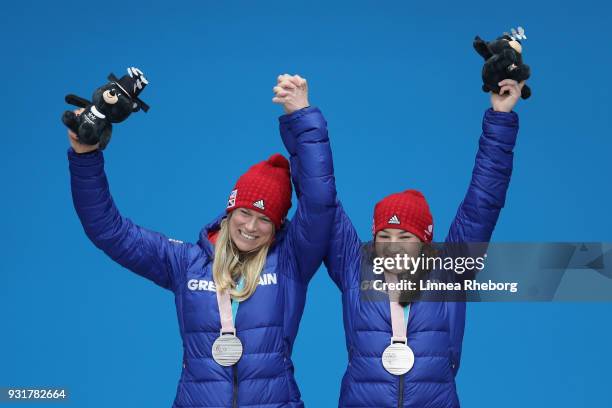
(503,60)
(111,103)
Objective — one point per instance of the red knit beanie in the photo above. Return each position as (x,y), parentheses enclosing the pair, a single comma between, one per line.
(266,188)
(408,211)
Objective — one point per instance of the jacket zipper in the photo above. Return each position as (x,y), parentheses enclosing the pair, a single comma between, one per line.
(235,395)
(400,396)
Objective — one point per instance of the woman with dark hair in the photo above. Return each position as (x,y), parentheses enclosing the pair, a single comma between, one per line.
(406,354)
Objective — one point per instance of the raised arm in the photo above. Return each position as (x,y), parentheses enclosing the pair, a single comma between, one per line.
(486,195)
(145,252)
(305,126)
(344,243)
(342,258)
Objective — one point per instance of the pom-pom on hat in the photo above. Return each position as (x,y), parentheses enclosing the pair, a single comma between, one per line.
(266,188)
(408,211)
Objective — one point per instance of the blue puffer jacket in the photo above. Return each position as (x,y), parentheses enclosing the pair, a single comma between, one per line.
(267,322)
(435,329)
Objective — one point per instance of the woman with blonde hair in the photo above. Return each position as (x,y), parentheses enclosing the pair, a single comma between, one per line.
(240,290)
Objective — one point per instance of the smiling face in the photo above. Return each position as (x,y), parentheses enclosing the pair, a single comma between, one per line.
(392,241)
(249,229)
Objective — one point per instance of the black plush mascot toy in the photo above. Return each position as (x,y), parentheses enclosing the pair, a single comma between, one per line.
(111,103)
(503,60)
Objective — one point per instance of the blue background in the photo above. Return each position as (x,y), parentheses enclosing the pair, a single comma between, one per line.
(400,87)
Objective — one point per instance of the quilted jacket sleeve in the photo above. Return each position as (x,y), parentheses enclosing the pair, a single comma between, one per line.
(144,252)
(344,242)
(305,134)
(486,196)
(342,258)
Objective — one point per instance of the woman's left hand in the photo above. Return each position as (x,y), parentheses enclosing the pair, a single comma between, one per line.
(509,94)
(291,91)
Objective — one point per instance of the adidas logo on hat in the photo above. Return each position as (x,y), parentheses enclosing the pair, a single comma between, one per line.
(259,204)
(394,220)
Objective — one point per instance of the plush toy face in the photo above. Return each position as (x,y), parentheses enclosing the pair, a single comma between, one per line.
(516,45)
(503,42)
(111,101)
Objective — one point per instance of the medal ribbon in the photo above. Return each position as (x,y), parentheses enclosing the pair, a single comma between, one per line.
(228,310)
(235,303)
(398,323)
(225,312)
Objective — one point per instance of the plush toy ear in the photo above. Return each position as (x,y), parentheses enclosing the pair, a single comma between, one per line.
(482,48)
(525,92)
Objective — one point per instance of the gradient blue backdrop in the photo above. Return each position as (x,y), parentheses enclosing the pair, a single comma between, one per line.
(400,87)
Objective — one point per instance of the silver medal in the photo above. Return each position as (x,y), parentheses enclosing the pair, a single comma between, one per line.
(398,358)
(227,349)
